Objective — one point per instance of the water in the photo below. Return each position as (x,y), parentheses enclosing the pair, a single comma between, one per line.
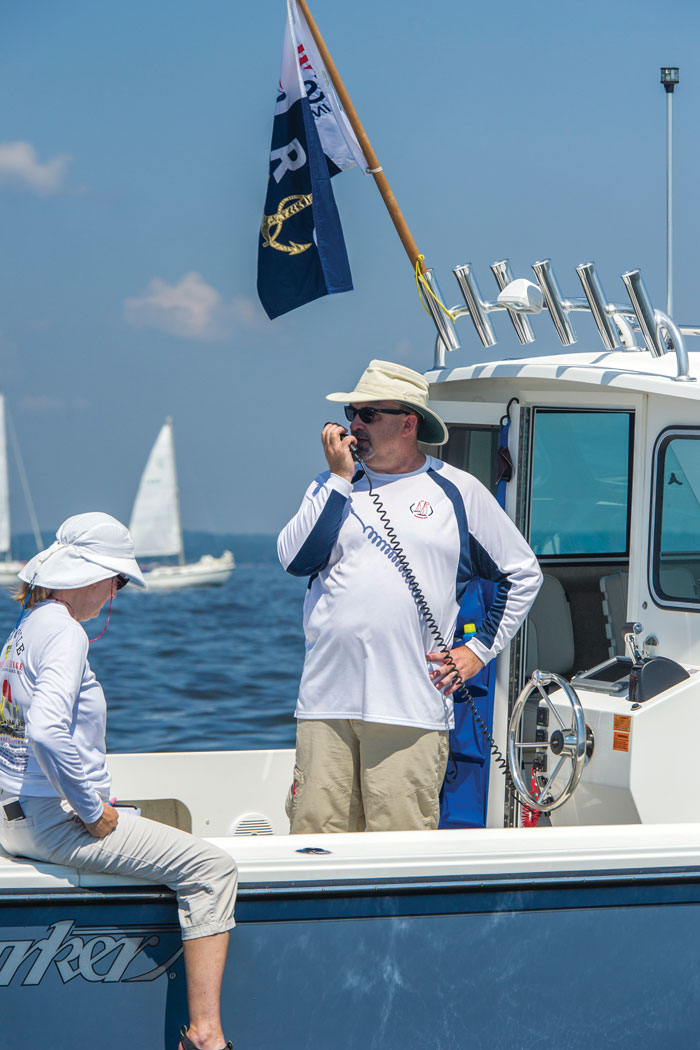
(206,669)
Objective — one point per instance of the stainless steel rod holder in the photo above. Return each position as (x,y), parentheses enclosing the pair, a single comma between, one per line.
(616,322)
(523,329)
(476,305)
(600,310)
(445,326)
(556,304)
(641,303)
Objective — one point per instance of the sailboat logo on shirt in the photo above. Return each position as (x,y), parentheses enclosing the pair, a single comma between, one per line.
(421,509)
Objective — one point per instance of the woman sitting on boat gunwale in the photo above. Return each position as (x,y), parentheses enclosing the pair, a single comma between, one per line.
(54,782)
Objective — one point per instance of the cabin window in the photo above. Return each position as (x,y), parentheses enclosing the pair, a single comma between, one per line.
(676,543)
(580,483)
(474,449)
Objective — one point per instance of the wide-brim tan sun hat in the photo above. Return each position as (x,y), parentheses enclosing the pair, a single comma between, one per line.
(385,381)
(88,548)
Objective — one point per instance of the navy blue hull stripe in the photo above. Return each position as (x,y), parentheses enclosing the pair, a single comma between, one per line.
(316,549)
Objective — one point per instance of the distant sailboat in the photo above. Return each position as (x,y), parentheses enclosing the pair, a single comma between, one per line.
(8,567)
(155,525)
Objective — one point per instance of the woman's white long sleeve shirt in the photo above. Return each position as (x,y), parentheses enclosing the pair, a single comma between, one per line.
(53,713)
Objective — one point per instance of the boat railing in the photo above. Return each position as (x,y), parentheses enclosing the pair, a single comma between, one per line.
(617,323)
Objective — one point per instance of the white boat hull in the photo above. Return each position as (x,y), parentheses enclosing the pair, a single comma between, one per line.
(207,572)
(500,937)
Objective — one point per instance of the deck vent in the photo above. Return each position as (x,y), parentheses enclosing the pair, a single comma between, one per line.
(253,824)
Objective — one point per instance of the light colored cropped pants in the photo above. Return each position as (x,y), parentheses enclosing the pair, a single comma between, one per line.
(203,877)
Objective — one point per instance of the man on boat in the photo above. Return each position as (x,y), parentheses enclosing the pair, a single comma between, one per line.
(374,708)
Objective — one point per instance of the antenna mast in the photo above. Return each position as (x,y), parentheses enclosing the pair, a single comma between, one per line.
(669,79)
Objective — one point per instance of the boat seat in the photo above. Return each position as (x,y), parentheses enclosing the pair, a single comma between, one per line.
(550,633)
(614,590)
(677,581)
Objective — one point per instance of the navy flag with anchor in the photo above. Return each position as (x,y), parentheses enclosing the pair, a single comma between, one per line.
(301,250)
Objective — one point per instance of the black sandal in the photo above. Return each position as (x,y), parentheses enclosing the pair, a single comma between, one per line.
(187,1043)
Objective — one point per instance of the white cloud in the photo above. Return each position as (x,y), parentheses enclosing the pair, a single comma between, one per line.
(20,167)
(189,309)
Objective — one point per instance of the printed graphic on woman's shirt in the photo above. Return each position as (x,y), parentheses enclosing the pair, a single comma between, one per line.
(13,731)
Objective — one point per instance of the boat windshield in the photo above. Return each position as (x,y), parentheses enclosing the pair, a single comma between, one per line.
(676,547)
(580,483)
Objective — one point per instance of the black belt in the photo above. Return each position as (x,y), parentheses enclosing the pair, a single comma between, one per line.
(13,811)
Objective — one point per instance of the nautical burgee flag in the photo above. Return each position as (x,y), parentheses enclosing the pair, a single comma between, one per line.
(301,251)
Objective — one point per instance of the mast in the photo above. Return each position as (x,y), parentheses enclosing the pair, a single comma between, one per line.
(5,537)
(24,481)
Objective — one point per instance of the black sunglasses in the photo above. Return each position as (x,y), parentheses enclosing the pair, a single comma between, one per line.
(368,415)
(122,580)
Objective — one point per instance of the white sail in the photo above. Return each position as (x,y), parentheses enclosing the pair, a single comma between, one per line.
(4,486)
(155,519)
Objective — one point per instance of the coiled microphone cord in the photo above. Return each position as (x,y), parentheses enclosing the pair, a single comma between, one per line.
(424,610)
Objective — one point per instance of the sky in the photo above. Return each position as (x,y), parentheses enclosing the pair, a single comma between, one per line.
(134,151)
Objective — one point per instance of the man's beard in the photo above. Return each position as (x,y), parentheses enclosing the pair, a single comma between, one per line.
(364,445)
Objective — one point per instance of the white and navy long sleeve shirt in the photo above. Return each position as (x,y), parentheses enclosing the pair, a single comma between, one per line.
(366,642)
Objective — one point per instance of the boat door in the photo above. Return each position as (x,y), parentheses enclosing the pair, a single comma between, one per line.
(477,429)
(572,498)
(665,602)
(582,513)
(579,523)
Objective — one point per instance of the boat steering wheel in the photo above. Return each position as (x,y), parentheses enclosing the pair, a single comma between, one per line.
(572,743)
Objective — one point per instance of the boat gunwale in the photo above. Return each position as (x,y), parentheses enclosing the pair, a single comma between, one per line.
(516,885)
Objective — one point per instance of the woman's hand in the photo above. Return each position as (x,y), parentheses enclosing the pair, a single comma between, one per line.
(466,661)
(104,825)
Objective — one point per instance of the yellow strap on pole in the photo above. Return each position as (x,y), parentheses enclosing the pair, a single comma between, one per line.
(375,169)
(422,287)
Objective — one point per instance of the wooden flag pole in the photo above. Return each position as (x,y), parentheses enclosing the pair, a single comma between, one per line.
(375,168)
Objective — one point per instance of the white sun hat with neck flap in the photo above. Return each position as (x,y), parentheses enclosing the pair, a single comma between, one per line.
(88,548)
(385,381)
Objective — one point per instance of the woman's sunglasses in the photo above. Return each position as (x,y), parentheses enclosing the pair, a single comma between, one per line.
(122,580)
(368,415)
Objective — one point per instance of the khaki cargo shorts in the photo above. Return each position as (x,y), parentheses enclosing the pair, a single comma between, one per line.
(364,776)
